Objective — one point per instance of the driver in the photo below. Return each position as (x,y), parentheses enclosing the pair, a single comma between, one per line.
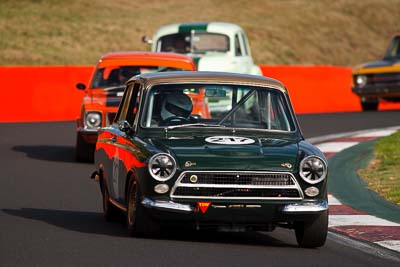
(126,72)
(176,109)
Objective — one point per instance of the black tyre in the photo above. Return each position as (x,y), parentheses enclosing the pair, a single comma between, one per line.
(138,222)
(312,234)
(370,105)
(84,152)
(110,212)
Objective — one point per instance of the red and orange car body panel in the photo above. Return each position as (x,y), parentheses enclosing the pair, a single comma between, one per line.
(105,102)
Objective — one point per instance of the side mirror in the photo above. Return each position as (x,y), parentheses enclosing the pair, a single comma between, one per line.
(146,39)
(124,126)
(80,86)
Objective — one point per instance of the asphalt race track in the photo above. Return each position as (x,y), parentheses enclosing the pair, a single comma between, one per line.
(50,212)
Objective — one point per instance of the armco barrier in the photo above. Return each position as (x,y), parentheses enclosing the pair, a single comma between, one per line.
(316,88)
(48,93)
(45,93)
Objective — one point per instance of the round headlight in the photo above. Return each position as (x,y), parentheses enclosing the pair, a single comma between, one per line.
(313,169)
(162,166)
(93,119)
(361,80)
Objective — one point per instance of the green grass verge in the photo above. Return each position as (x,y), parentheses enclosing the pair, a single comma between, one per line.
(383,172)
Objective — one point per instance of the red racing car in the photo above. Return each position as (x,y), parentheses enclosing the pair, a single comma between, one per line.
(106,87)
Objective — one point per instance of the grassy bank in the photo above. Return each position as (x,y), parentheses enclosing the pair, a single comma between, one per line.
(383,172)
(74,32)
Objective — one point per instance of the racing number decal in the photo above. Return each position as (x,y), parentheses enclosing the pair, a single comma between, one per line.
(229,140)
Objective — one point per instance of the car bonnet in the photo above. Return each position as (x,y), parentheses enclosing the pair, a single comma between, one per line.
(230,152)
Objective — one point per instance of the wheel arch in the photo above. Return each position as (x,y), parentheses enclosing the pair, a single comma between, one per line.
(130,176)
(100,173)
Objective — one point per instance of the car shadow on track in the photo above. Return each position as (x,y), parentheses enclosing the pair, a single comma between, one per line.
(48,152)
(94,223)
(80,221)
(243,238)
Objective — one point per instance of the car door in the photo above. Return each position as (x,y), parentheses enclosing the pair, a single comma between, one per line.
(109,156)
(124,139)
(105,157)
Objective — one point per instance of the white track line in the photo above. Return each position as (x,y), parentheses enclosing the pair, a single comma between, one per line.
(333,200)
(335,147)
(359,220)
(390,244)
(324,138)
(377,133)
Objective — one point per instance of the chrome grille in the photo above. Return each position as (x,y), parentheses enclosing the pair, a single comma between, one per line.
(384,78)
(236,192)
(236,185)
(241,179)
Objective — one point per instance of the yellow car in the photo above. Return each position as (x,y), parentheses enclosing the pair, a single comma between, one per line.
(374,81)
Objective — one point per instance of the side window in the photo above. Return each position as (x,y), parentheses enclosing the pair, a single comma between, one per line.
(122,106)
(238,49)
(278,114)
(133,104)
(244,42)
(124,110)
(394,48)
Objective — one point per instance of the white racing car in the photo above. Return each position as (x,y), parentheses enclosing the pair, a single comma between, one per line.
(214,46)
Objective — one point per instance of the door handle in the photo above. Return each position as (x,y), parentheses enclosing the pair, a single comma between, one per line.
(113,139)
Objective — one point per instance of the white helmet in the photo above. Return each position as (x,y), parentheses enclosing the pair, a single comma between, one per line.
(176,104)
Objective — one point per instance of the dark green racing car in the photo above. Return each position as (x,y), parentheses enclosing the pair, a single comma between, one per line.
(243,165)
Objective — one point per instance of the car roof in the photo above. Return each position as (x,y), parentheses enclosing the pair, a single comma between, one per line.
(150,79)
(146,58)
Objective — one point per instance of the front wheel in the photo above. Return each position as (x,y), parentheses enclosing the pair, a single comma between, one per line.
(138,221)
(369,104)
(84,152)
(312,234)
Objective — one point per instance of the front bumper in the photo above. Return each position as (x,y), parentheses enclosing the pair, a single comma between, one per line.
(378,91)
(234,213)
(307,207)
(167,206)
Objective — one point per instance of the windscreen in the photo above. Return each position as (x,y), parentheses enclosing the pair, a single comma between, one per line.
(235,106)
(193,42)
(393,51)
(117,75)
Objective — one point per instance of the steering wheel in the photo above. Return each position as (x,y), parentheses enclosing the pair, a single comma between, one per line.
(175,119)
